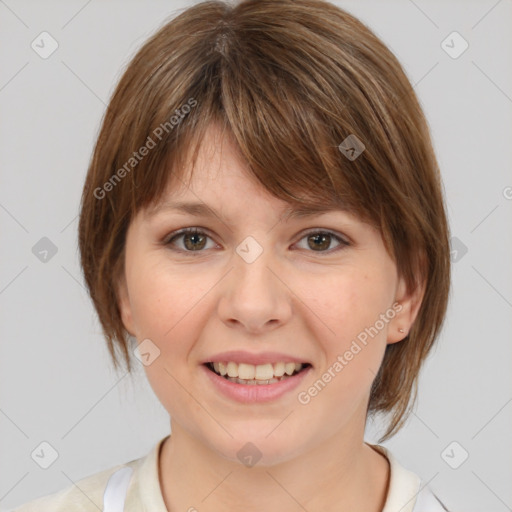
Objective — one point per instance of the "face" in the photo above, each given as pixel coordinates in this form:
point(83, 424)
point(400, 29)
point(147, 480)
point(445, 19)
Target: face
point(255, 289)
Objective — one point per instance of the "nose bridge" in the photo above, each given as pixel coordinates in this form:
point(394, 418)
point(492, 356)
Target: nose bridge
point(252, 263)
point(255, 296)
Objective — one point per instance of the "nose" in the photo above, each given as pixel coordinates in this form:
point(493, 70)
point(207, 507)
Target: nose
point(255, 297)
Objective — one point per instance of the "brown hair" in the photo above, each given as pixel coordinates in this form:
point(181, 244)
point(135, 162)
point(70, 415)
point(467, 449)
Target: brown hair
point(289, 80)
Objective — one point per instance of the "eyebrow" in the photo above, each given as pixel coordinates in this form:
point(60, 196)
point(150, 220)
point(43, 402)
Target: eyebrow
point(199, 209)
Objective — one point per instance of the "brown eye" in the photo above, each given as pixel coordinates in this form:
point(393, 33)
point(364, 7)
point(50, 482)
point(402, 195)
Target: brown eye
point(320, 241)
point(194, 240)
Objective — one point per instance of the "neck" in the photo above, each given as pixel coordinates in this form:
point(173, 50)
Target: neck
point(338, 474)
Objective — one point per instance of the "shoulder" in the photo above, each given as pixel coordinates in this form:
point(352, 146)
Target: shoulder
point(86, 495)
point(406, 491)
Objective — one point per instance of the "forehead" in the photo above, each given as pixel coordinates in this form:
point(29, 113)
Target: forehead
point(214, 176)
point(218, 171)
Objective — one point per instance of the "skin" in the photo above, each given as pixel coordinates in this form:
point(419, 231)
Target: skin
point(294, 298)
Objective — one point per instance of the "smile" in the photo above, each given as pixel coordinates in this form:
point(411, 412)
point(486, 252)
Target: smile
point(249, 374)
point(263, 383)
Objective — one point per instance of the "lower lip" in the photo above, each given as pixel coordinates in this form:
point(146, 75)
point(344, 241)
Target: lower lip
point(255, 393)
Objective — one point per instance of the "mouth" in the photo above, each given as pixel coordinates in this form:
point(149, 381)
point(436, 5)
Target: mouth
point(256, 375)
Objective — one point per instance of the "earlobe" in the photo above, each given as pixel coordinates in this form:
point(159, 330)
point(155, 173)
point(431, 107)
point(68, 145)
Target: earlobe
point(410, 303)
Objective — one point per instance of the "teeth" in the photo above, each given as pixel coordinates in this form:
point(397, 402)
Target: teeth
point(253, 381)
point(222, 369)
point(245, 373)
point(232, 369)
point(289, 368)
point(264, 371)
point(279, 369)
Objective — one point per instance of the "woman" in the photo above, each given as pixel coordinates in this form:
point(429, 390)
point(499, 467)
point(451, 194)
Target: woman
point(263, 217)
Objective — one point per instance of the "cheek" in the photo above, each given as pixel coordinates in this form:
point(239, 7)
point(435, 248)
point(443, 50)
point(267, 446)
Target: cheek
point(164, 300)
point(167, 310)
point(357, 335)
point(352, 302)
point(351, 356)
point(170, 308)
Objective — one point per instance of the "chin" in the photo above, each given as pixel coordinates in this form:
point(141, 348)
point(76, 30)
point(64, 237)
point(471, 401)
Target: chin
point(253, 447)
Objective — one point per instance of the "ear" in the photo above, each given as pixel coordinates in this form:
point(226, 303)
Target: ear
point(406, 312)
point(125, 307)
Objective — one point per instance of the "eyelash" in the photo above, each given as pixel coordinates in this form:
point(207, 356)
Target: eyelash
point(197, 231)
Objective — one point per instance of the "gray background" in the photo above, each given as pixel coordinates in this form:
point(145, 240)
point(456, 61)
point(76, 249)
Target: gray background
point(57, 384)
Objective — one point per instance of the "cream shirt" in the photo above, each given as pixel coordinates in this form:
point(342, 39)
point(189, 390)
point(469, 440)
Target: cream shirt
point(135, 487)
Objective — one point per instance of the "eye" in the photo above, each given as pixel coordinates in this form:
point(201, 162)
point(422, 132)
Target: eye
point(195, 240)
point(318, 240)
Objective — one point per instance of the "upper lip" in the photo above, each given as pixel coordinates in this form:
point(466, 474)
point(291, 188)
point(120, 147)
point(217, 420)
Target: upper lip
point(241, 356)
